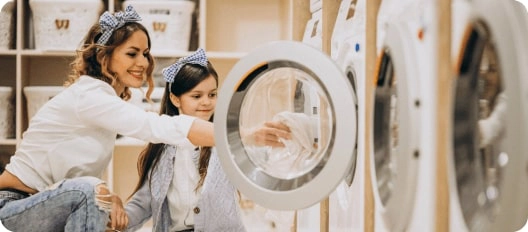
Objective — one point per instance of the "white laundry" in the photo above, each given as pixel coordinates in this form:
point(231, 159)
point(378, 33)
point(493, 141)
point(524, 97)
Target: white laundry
point(492, 127)
point(298, 152)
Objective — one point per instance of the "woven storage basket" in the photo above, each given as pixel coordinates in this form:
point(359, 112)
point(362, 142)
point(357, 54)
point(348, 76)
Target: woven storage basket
point(62, 24)
point(6, 25)
point(7, 113)
point(38, 95)
point(169, 23)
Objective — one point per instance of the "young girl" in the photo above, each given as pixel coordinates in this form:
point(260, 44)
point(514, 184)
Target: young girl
point(52, 181)
point(184, 187)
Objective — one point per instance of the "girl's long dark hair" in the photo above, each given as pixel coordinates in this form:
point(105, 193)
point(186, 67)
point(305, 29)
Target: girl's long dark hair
point(189, 76)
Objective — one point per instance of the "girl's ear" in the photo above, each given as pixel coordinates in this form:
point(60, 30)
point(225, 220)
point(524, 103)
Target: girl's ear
point(175, 100)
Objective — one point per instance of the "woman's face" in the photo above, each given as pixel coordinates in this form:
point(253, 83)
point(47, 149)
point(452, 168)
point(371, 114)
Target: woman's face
point(199, 101)
point(129, 62)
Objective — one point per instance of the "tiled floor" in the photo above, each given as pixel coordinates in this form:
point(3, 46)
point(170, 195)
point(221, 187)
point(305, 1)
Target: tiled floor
point(259, 219)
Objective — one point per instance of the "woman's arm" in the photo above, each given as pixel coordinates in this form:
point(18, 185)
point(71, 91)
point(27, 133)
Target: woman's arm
point(201, 133)
point(97, 107)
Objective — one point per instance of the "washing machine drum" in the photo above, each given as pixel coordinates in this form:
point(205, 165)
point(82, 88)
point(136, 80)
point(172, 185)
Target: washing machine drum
point(299, 86)
point(489, 130)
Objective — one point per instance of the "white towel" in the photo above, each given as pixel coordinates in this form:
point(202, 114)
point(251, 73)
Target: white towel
point(298, 151)
point(493, 127)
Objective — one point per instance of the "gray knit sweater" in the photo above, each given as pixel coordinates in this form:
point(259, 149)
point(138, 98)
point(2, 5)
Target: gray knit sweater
point(219, 209)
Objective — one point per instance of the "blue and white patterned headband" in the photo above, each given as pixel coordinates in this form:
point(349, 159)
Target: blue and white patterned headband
point(109, 23)
point(198, 57)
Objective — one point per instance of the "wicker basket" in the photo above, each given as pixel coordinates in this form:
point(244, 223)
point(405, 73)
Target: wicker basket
point(62, 24)
point(6, 25)
point(38, 95)
point(169, 23)
point(7, 113)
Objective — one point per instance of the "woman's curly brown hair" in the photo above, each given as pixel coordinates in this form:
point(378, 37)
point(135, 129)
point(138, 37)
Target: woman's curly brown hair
point(93, 59)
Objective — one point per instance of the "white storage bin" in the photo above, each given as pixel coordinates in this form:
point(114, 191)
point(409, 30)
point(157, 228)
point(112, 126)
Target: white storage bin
point(62, 24)
point(38, 95)
point(7, 113)
point(138, 98)
point(169, 23)
point(6, 24)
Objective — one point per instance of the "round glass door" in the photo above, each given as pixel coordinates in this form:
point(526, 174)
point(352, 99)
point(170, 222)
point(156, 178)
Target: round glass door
point(302, 88)
point(478, 129)
point(287, 93)
point(396, 125)
point(489, 131)
point(385, 128)
point(351, 74)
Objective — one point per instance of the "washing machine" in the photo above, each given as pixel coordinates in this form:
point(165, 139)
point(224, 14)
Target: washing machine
point(402, 167)
point(389, 11)
point(313, 33)
point(309, 219)
point(349, 14)
point(347, 202)
point(301, 86)
point(488, 165)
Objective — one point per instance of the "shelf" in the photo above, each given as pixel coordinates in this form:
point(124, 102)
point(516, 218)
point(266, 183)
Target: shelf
point(226, 55)
point(9, 142)
point(129, 142)
point(54, 53)
point(45, 53)
point(8, 52)
point(211, 55)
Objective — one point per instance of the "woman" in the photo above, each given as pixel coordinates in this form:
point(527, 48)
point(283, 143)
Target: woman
point(52, 182)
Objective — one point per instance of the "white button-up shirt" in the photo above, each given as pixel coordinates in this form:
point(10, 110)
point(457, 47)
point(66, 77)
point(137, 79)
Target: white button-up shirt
point(74, 133)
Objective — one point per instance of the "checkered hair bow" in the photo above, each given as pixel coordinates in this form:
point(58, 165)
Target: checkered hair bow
point(109, 22)
point(198, 57)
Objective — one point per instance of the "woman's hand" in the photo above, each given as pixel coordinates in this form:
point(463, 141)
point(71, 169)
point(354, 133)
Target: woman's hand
point(269, 134)
point(118, 216)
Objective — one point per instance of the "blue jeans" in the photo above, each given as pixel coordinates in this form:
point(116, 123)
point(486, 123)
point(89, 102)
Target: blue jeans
point(70, 205)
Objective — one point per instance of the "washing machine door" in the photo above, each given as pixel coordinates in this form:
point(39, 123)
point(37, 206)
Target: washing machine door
point(396, 124)
point(302, 87)
point(489, 125)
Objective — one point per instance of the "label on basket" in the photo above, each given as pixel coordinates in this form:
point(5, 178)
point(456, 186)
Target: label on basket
point(159, 11)
point(169, 23)
point(159, 26)
point(62, 23)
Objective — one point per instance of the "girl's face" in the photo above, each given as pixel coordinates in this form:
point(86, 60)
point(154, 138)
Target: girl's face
point(129, 62)
point(199, 101)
